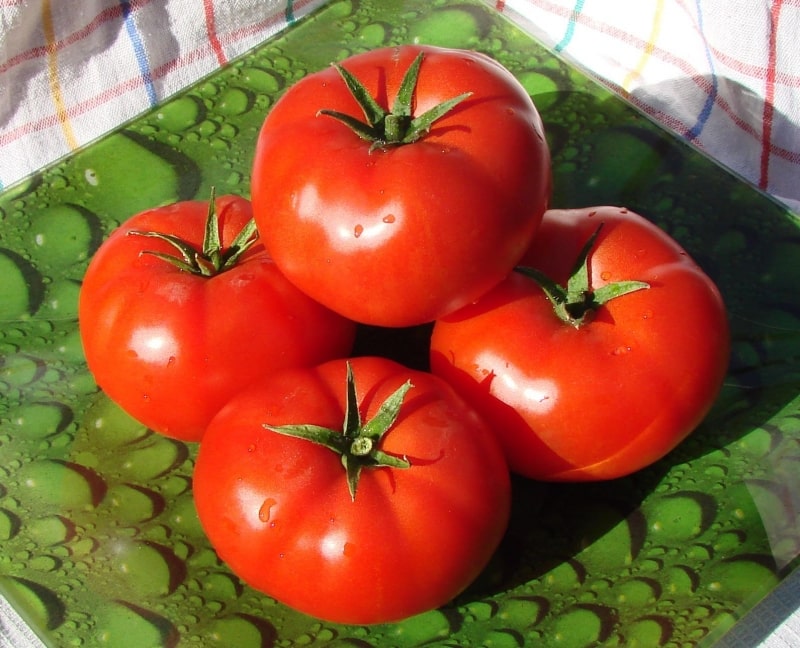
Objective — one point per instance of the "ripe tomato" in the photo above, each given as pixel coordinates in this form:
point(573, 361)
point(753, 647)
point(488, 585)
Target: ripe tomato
point(606, 396)
point(405, 218)
point(171, 345)
point(413, 518)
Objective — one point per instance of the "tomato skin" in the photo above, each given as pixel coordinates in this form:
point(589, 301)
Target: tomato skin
point(391, 237)
point(278, 511)
point(607, 398)
point(171, 347)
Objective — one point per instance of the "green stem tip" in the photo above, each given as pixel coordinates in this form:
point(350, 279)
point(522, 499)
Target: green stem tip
point(357, 443)
point(212, 258)
point(577, 302)
point(387, 128)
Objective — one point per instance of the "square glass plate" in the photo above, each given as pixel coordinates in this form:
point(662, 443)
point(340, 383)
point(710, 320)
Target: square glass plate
point(100, 540)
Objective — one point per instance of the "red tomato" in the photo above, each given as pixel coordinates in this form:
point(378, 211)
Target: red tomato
point(280, 512)
point(606, 397)
point(171, 346)
point(392, 233)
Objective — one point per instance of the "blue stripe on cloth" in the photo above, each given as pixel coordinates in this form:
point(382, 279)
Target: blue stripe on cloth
point(573, 18)
point(138, 50)
point(289, 13)
point(708, 105)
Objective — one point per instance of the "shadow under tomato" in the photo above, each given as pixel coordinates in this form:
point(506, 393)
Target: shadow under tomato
point(606, 151)
point(749, 245)
point(408, 346)
point(552, 523)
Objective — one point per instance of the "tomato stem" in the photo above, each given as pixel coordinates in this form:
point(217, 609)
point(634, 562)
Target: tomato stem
point(576, 302)
point(396, 127)
point(357, 443)
point(212, 258)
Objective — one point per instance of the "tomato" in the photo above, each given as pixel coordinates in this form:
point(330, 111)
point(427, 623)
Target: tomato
point(409, 522)
point(611, 387)
point(416, 212)
point(172, 344)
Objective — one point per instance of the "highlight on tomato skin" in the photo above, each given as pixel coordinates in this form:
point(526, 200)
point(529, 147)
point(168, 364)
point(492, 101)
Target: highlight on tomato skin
point(602, 398)
point(182, 306)
point(414, 228)
point(417, 529)
point(402, 187)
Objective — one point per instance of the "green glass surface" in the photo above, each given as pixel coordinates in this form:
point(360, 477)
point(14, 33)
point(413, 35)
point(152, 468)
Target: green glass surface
point(100, 541)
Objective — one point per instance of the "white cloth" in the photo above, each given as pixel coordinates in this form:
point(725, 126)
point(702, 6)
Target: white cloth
point(723, 74)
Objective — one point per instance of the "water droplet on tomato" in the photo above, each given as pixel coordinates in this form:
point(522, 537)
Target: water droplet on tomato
point(389, 218)
point(605, 275)
point(647, 314)
point(358, 230)
point(621, 350)
point(266, 509)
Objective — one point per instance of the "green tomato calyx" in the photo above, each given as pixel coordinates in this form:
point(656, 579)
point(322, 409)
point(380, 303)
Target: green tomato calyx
point(357, 443)
point(212, 258)
point(576, 302)
point(396, 127)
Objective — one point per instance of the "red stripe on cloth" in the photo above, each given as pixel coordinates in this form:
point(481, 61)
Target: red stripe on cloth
point(211, 30)
point(755, 71)
point(746, 68)
point(692, 73)
point(638, 43)
point(135, 83)
point(769, 94)
point(48, 121)
point(682, 128)
point(105, 16)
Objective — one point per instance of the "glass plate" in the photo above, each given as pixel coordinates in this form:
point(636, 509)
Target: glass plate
point(101, 543)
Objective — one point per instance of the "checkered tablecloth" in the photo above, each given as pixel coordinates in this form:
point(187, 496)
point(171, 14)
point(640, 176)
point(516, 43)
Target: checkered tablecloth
point(723, 74)
point(72, 70)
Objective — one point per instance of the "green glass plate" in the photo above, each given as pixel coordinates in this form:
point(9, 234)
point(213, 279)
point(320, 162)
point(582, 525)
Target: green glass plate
point(100, 541)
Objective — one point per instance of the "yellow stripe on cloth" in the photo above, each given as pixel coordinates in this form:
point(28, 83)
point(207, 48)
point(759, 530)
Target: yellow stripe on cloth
point(52, 75)
point(636, 72)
